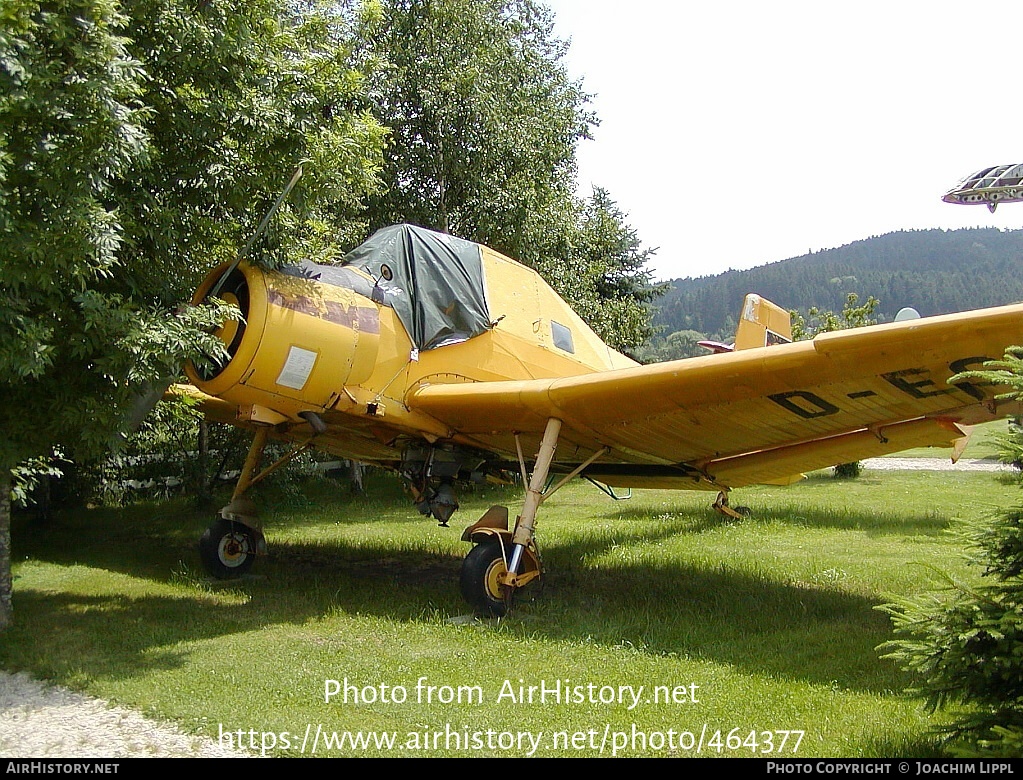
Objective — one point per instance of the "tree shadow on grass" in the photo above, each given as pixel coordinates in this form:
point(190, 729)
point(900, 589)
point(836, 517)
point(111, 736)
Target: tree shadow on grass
point(722, 613)
point(72, 637)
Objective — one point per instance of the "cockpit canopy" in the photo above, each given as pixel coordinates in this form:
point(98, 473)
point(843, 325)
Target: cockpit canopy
point(433, 281)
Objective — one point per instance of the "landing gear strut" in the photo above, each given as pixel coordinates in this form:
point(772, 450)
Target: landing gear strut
point(721, 506)
point(229, 547)
point(503, 561)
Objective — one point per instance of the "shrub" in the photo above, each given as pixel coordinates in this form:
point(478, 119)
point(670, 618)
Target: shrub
point(847, 470)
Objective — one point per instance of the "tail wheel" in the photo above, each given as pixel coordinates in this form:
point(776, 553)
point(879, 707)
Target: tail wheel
point(479, 580)
point(228, 549)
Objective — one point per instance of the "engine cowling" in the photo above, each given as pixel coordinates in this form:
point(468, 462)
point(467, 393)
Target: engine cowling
point(298, 343)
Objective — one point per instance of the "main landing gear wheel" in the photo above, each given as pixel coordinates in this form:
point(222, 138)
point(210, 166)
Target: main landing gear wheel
point(481, 569)
point(228, 549)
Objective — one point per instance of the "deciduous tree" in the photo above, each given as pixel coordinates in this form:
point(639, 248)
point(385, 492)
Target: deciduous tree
point(485, 123)
point(853, 315)
point(138, 144)
point(484, 118)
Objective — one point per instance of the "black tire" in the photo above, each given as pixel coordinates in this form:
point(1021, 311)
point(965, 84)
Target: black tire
point(227, 549)
point(478, 580)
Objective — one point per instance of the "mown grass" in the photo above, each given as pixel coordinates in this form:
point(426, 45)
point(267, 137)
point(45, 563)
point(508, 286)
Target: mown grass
point(773, 618)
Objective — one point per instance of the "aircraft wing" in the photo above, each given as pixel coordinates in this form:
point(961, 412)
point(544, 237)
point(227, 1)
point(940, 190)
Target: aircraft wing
point(753, 416)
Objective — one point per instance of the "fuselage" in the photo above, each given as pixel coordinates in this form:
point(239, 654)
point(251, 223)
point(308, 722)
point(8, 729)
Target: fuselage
point(325, 342)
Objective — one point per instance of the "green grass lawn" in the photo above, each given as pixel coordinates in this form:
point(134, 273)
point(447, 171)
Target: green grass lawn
point(741, 634)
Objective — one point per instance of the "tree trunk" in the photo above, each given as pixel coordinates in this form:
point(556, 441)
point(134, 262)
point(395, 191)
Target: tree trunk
point(203, 484)
point(42, 497)
point(6, 581)
point(355, 477)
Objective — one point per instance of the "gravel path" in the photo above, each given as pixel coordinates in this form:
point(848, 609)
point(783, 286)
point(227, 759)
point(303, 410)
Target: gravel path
point(39, 721)
point(934, 464)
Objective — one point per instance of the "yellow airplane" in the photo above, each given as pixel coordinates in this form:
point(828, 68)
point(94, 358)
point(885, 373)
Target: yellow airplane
point(446, 362)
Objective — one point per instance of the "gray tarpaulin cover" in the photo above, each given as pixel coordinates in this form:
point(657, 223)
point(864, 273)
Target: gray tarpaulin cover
point(436, 285)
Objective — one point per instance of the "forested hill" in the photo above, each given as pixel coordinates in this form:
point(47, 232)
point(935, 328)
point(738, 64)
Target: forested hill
point(934, 271)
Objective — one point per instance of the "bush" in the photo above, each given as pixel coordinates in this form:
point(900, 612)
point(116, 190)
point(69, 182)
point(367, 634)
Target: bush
point(847, 470)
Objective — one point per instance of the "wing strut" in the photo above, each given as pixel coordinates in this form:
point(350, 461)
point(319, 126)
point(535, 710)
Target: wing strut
point(230, 544)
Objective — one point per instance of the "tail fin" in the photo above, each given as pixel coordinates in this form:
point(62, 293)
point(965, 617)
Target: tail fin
point(762, 324)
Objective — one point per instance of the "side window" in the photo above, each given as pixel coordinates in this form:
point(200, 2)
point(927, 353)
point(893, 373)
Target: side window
point(562, 337)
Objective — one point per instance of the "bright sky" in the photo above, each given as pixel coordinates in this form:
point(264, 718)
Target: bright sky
point(736, 133)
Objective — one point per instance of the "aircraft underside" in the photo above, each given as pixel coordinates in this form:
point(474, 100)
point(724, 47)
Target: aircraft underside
point(503, 558)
